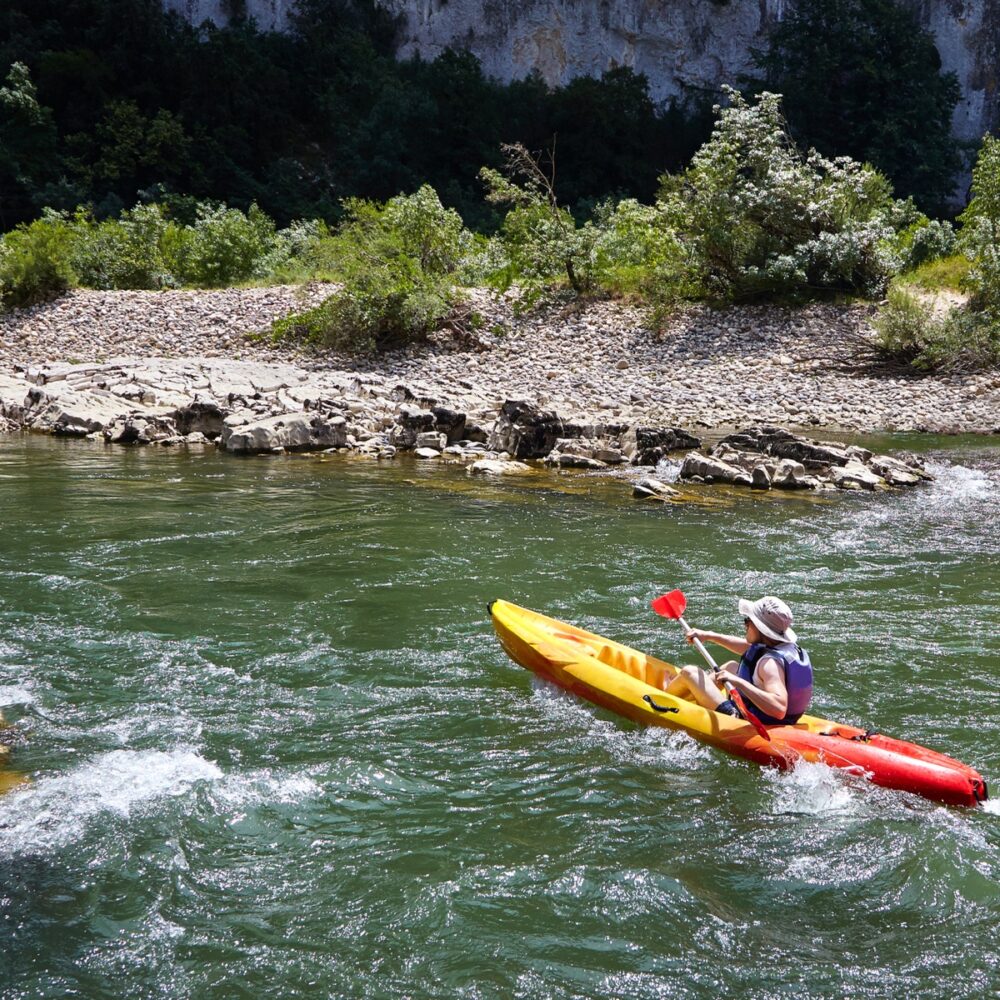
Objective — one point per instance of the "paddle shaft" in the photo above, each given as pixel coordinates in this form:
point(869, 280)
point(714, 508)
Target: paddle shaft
point(700, 646)
point(730, 690)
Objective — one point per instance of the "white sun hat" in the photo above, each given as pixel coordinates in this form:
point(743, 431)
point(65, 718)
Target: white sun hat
point(771, 616)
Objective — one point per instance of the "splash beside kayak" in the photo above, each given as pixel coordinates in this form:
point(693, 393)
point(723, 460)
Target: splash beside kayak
point(630, 683)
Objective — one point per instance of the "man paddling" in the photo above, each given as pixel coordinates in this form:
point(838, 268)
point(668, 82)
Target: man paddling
point(774, 674)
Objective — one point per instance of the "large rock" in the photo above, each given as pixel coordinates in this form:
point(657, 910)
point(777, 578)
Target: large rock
point(72, 413)
point(709, 469)
point(200, 415)
point(411, 422)
point(290, 431)
point(449, 422)
point(569, 460)
point(789, 475)
point(647, 445)
point(896, 472)
point(13, 398)
point(855, 476)
point(784, 444)
point(140, 428)
point(649, 488)
point(523, 430)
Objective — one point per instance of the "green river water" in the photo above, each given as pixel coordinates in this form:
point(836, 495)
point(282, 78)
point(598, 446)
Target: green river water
point(275, 750)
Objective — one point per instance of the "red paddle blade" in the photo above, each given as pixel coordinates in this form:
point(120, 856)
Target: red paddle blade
point(670, 605)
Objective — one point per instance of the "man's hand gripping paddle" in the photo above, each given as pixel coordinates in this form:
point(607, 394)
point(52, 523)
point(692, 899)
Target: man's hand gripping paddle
point(672, 605)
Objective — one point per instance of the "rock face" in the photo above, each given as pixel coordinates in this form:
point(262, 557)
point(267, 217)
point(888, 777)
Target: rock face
point(682, 47)
point(771, 458)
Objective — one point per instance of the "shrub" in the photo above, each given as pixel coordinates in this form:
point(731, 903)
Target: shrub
point(637, 252)
point(295, 253)
point(909, 330)
point(126, 252)
point(35, 261)
point(397, 266)
point(543, 247)
point(980, 236)
point(760, 219)
point(222, 247)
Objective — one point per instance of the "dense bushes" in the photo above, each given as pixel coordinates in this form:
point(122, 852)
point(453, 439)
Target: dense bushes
point(144, 248)
point(980, 238)
point(760, 219)
point(752, 218)
point(35, 262)
point(396, 264)
point(916, 329)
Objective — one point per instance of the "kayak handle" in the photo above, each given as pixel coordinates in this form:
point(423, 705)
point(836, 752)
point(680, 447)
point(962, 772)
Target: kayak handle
point(657, 708)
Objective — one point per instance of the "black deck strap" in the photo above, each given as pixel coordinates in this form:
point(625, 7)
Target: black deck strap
point(865, 737)
point(657, 708)
point(489, 608)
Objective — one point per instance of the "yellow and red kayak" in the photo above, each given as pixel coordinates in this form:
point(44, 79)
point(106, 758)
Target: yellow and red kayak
point(631, 684)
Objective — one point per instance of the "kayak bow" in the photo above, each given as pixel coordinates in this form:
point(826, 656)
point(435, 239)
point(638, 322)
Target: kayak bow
point(631, 684)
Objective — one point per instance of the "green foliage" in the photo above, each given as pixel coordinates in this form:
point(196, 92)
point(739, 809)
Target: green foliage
point(941, 274)
point(127, 252)
point(35, 261)
point(224, 246)
point(397, 265)
point(980, 236)
point(636, 252)
point(144, 248)
point(861, 78)
point(543, 246)
point(909, 330)
point(759, 219)
point(964, 338)
point(27, 144)
point(905, 327)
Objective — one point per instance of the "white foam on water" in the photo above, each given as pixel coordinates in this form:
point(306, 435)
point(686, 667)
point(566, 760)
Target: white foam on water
point(264, 786)
point(958, 482)
point(57, 810)
point(654, 745)
point(15, 695)
point(814, 789)
point(991, 806)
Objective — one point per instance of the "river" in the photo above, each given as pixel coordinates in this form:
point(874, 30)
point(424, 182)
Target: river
point(273, 747)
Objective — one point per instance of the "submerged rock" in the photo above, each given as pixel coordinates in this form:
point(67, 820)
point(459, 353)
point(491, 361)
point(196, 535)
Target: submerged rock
point(649, 488)
point(498, 467)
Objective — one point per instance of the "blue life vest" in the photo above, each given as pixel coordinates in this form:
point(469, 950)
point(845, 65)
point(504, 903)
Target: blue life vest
point(798, 679)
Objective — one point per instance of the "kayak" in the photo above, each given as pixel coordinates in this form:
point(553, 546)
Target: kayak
point(631, 683)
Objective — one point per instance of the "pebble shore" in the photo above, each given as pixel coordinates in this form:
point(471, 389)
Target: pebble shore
point(798, 368)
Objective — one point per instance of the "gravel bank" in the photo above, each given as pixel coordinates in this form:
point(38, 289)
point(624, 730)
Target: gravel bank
point(708, 369)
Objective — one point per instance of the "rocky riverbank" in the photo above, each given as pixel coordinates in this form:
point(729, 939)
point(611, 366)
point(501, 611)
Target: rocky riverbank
point(586, 387)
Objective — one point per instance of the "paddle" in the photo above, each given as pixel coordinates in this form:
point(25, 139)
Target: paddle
point(672, 605)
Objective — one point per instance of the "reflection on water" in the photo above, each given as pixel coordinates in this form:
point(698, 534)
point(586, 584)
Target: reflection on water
point(274, 747)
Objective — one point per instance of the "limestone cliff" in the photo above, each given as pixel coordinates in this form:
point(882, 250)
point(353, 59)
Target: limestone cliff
point(681, 45)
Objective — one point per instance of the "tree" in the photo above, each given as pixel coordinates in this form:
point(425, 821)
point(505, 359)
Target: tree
point(27, 144)
point(861, 78)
